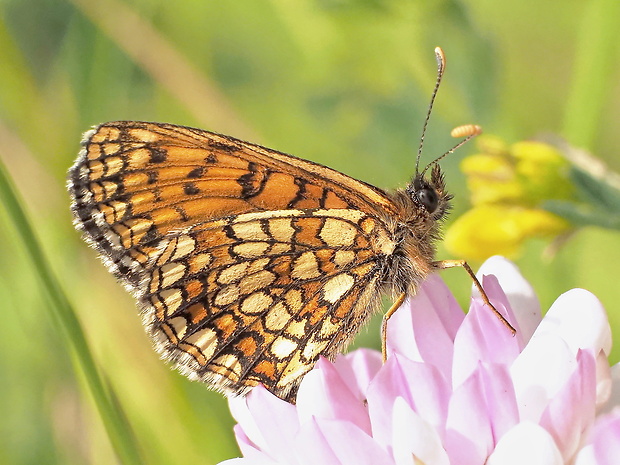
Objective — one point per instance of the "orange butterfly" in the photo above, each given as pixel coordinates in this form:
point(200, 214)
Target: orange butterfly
point(248, 263)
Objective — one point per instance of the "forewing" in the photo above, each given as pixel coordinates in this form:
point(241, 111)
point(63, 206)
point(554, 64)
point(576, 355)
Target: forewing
point(136, 182)
point(258, 297)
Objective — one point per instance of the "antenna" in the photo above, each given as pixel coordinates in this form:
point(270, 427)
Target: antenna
point(468, 131)
point(441, 67)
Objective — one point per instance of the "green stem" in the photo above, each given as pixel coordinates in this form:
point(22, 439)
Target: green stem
point(593, 70)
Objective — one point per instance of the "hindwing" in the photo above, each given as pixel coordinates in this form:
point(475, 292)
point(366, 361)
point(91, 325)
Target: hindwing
point(258, 297)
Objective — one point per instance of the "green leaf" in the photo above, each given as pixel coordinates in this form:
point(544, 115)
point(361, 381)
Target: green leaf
point(595, 191)
point(584, 214)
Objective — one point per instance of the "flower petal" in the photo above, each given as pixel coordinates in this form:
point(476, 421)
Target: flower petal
point(481, 410)
point(358, 368)
point(539, 372)
point(482, 338)
point(519, 292)
point(586, 456)
point(269, 424)
point(338, 442)
point(420, 385)
point(571, 411)
point(246, 446)
point(313, 446)
point(424, 327)
point(249, 461)
point(324, 394)
point(526, 443)
point(613, 399)
point(580, 319)
point(415, 438)
point(606, 439)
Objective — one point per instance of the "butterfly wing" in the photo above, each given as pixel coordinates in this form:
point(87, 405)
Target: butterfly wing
point(258, 297)
point(134, 182)
point(249, 263)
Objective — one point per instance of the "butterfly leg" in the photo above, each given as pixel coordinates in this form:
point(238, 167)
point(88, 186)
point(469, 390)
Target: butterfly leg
point(397, 303)
point(445, 264)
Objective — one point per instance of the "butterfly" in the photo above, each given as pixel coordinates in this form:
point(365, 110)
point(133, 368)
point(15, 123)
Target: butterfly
point(248, 264)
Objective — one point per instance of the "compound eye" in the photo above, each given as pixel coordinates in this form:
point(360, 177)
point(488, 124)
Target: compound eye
point(428, 198)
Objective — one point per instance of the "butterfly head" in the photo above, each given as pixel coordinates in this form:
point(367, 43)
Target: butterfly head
point(429, 193)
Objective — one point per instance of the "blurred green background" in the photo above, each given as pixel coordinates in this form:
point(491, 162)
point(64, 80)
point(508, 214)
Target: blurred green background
point(340, 82)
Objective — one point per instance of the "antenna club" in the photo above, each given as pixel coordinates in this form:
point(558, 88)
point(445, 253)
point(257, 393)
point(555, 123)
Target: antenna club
point(441, 65)
point(441, 59)
point(466, 130)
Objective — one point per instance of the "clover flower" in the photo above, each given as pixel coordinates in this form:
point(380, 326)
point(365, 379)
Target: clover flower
point(455, 389)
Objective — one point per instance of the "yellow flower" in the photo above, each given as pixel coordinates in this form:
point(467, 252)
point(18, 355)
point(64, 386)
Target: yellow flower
point(508, 186)
point(489, 230)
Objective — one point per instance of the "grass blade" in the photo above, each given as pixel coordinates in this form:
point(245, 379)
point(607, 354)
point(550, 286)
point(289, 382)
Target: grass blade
point(115, 422)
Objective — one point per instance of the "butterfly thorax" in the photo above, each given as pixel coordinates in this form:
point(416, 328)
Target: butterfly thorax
point(421, 207)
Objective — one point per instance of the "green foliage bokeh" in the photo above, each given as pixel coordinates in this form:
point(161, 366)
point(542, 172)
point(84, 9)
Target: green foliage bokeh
point(341, 82)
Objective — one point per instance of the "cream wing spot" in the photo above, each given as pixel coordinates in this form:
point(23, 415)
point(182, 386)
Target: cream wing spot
point(233, 273)
point(313, 348)
point(227, 295)
point(384, 244)
point(258, 265)
point(344, 213)
point(280, 248)
point(337, 286)
point(368, 224)
point(277, 318)
point(250, 231)
point(306, 266)
point(295, 368)
point(343, 257)
point(102, 134)
point(205, 341)
point(179, 325)
point(297, 328)
point(142, 135)
point(256, 281)
point(328, 328)
point(120, 208)
point(338, 233)
point(167, 301)
point(171, 273)
point(232, 365)
point(256, 303)
point(251, 249)
point(104, 190)
point(185, 245)
point(155, 282)
point(113, 165)
point(111, 148)
point(293, 299)
point(281, 229)
point(199, 262)
point(283, 347)
point(133, 230)
point(164, 251)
